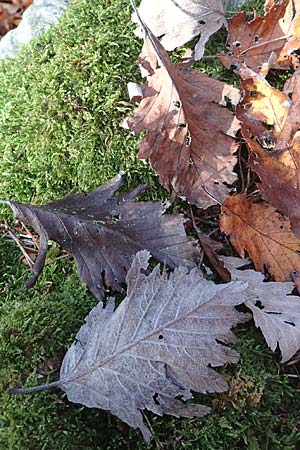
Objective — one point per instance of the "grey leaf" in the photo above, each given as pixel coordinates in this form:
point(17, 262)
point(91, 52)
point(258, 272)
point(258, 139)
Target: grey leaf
point(103, 232)
point(181, 20)
point(163, 340)
point(275, 312)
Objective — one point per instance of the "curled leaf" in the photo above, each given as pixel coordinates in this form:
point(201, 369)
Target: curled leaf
point(103, 232)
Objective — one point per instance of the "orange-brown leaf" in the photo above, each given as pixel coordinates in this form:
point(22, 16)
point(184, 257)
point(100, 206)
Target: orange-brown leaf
point(264, 42)
point(259, 230)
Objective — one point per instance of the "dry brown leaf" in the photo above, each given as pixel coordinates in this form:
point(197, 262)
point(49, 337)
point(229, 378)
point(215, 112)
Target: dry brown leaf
point(264, 42)
point(259, 230)
point(273, 118)
point(279, 176)
point(271, 121)
point(190, 140)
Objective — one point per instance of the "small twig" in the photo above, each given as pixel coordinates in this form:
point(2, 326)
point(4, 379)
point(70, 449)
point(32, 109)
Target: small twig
point(211, 195)
point(248, 184)
point(19, 243)
point(159, 444)
point(241, 171)
point(198, 235)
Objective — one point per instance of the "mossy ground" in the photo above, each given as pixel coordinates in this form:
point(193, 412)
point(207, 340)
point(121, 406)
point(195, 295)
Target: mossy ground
point(60, 114)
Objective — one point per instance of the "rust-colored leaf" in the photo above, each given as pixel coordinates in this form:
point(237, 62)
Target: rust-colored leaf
point(271, 121)
point(264, 42)
point(262, 232)
point(190, 140)
point(279, 179)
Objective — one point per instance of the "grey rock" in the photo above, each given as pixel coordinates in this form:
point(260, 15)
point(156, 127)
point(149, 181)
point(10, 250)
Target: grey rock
point(36, 20)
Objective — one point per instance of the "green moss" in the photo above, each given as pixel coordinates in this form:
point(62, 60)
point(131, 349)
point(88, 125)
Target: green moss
point(60, 116)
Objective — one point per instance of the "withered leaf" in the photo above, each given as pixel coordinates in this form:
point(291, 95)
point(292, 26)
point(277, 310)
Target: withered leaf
point(278, 169)
point(268, 113)
point(264, 42)
point(179, 22)
point(163, 340)
point(275, 311)
point(103, 232)
point(279, 180)
point(190, 140)
point(264, 233)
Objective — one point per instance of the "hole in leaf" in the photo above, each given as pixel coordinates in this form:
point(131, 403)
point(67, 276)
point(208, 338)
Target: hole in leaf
point(259, 304)
point(155, 396)
point(202, 22)
point(252, 94)
point(177, 104)
point(160, 337)
point(182, 125)
point(256, 38)
point(237, 44)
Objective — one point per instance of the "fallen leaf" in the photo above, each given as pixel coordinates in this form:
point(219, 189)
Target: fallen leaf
point(179, 22)
point(264, 42)
point(268, 113)
point(264, 233)
point(275, 311)
point(271, 121)
point(163, 340)
point(103, 232)
point(190, 132)
point(270, 124)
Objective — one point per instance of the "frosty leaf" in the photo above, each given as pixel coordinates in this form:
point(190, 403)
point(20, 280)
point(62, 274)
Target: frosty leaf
point(275, 312)
point(163, 340)
point(103, 232)
point(190, 138)
point(179, 22)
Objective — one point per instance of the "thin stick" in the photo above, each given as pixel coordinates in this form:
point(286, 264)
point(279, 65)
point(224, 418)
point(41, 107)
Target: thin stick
point(158, 443)
point(241, 171)
point(21, 247)
point(211, 195)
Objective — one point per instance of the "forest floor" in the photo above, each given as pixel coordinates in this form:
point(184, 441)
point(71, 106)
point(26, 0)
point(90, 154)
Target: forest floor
point(62, 102)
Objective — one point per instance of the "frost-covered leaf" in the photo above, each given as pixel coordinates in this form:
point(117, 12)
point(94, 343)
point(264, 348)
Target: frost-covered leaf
point(275, 312)
point(103, 232)
point(180, 21)
point(162, 341)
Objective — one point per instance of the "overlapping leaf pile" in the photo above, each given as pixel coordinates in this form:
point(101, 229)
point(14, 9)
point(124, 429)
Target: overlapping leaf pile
point(171, 330)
